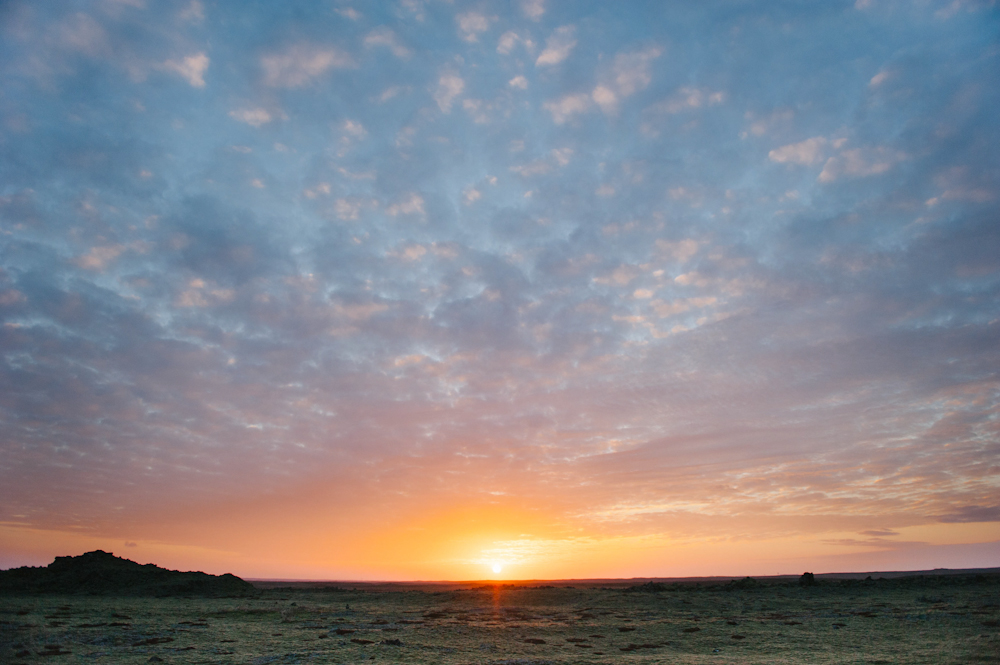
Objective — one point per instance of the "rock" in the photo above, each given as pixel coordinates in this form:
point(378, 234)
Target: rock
point(534, 640)
point(807, 579)
point(103, 574)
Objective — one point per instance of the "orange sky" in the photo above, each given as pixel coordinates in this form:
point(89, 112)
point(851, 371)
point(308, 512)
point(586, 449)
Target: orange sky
point(465, 541)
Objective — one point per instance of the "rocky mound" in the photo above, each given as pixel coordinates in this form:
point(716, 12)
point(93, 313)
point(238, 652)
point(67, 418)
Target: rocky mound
point(103, 574)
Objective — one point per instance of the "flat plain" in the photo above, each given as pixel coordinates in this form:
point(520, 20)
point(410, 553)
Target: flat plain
point(921, 620)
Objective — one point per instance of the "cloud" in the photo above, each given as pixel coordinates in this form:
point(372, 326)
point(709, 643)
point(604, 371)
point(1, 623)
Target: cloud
point(769, 123)
point(879, 533)
point(518, 82)
point(507, 42)
point(470, 24)
point(973, 513)
point(533, 9)
point(633, 71)
point(412, 205)
point(630, 73)
point(681, 250)
point(880, 78)
point(300, 64)
point(98, 258)
point(558, 46)
point(449, 87)
point(808, 152)
point(354, 129)
point(80, 32)
point(670, 308)
point(559, 156)
point(385, 37)
point(605, 98)
point(193, 13)
point(480, 110)
point(562, 155)
point(348, 209)
point(860, 162)
point(253, 117)
point(192, 68)
point(688, 99)
point(537, 167)
point(847, 162)
point(201, 294)
point(565, 108)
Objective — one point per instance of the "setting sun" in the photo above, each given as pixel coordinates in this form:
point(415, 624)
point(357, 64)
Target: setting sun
point(497, 568)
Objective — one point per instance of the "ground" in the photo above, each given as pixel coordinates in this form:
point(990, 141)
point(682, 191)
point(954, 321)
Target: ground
point(874, 622)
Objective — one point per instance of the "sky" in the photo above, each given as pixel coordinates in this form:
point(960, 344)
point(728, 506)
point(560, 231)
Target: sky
point(445, 290)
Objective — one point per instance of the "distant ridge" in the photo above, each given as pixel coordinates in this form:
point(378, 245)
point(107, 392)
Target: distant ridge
point(605, 583)
point(101, 573)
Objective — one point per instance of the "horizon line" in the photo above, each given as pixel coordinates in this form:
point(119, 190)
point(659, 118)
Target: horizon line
point(645, 578)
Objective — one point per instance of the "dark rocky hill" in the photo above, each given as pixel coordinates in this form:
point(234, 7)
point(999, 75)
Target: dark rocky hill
point(103, 574)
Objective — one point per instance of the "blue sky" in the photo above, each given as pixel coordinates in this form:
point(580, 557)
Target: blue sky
point(655, 277)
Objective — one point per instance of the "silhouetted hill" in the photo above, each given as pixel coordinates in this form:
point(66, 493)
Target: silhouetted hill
point(103, 574)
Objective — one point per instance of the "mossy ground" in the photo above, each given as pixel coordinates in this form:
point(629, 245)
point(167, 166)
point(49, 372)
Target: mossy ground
point(951, 623)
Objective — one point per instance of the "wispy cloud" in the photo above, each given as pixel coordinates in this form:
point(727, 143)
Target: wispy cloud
point(471, 24)
point(449, 86)
point(300, 64)
point(192, 68)
point(558, 46)
point(385, 37)
point(254, 117)
point(566, 107)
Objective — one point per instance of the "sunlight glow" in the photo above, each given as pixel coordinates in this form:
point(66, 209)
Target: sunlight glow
point(497, 568)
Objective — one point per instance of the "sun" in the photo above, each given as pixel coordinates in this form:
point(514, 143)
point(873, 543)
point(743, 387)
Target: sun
point(497, 568)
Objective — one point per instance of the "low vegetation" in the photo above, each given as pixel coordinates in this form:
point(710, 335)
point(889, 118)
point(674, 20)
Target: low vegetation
point(934, 620)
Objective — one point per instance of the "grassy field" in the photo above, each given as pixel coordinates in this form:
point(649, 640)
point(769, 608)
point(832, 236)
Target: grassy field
point(897, 621)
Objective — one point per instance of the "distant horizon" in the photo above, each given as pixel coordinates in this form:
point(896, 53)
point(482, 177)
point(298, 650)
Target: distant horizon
point(487, 581)
point(841, 574)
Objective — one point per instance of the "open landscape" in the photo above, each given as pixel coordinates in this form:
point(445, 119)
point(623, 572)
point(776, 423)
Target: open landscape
point(930, 619)
point(499, 332)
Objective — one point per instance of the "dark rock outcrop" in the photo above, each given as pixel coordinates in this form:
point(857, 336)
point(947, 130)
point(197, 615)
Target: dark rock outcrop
point(103, 574)
point(745, 583)
point(648, 587)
